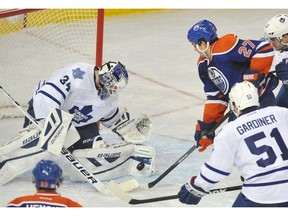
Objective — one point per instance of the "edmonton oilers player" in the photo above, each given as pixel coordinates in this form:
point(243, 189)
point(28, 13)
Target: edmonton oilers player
point(223, 62)
point(47, 177)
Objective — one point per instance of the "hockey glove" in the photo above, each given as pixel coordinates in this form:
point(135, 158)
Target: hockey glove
point(253, 76)
point(282, 71)
point(267, 85)
point(191, 194)
point(201, 137)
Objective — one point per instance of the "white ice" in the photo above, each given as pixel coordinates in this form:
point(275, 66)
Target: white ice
point(164, 84)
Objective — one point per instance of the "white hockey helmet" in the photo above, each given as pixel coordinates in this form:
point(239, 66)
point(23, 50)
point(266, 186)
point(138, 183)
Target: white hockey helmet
point(277, 26)
point(243, 95)
point(113, 77)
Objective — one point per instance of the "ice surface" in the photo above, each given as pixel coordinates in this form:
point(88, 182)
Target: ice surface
point(163, 84)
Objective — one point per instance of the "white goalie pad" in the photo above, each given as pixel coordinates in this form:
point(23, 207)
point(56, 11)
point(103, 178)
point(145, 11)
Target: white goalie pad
point(19, 161)
point(22, 153)
point(133, 130)
point(116, 161)
point(55, 130)
point(143, 162)
point(24, 138)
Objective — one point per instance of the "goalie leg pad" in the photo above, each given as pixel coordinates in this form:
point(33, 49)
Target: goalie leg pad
point(18, 162)
point(143, 161)
point(55, 129)
point(27, 137)
point(104, 163)
point(115, 161)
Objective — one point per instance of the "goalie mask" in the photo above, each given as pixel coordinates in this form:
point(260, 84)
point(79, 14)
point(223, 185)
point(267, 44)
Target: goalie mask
point(113, 78)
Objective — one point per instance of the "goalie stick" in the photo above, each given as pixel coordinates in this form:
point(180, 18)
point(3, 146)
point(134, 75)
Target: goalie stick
point(183, 157)
point(89, 177)
point(116, 190)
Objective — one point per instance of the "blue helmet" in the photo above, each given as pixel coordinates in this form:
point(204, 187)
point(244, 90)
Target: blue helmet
point(47, 174)
point(204, 29)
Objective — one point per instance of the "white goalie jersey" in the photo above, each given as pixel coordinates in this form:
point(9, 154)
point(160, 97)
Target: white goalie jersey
point(85, 103)
point(255, 143)
point(72, 91)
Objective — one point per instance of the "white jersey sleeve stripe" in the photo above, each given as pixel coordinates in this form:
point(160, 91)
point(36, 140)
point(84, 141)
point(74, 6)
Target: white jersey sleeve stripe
point(266, 183)
point(208, 180)
point(110, 117)
point(216, 170)
point(56, 88)
point(49, 96)
point(268, 173)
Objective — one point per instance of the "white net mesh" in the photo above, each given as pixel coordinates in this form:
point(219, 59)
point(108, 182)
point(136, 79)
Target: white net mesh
point(34, 44)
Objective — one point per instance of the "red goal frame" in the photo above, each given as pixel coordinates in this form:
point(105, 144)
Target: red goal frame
point(99, 28)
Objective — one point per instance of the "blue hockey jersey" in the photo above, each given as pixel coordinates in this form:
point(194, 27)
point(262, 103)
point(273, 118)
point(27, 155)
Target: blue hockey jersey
point(230, 58)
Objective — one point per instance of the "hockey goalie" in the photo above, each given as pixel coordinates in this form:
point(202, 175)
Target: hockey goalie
point(128, 157)
point(84, 97)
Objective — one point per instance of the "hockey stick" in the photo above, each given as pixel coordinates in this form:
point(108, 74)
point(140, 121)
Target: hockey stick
point(153, 183)
point(66, 153)
point(116, 190)
point(135, 183)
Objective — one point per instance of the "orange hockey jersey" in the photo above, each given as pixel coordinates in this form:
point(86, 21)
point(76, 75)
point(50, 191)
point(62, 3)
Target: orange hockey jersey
point(231, 57)
point(46, 199)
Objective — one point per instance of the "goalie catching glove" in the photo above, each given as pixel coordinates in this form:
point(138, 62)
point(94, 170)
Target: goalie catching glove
point(133, 130)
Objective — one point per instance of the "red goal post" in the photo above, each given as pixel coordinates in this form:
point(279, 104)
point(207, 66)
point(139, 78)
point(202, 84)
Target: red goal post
point(35, 42)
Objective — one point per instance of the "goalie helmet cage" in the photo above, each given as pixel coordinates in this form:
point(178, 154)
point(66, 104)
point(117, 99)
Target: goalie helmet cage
point(35, 42)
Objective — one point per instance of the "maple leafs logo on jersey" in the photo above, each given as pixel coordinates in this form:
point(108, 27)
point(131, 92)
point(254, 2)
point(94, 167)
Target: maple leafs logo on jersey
point(78, 73)
point(81, 115)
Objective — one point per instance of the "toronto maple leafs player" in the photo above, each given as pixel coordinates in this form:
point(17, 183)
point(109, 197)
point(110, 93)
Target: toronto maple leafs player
point(90, 94)
point(255, 143)
point(222, 62)
point(276, 30)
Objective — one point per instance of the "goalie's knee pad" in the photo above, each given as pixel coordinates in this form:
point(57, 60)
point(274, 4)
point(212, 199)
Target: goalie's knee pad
point(115, 161)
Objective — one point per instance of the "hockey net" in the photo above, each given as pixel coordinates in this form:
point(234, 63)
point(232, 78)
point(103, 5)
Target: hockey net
point(36, 42)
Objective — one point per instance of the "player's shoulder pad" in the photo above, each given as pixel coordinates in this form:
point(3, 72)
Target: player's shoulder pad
point(224, 44)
